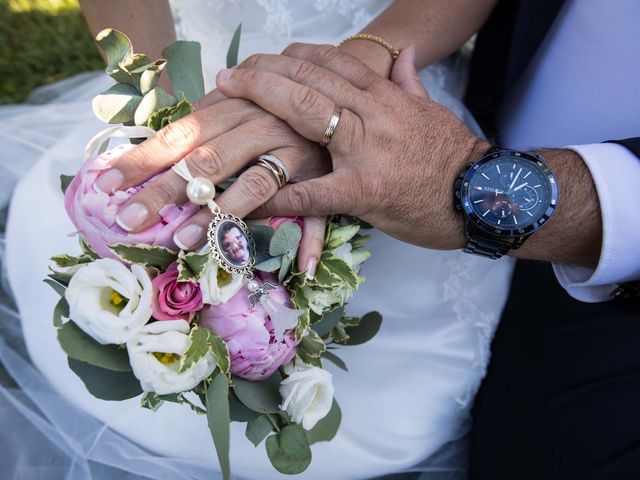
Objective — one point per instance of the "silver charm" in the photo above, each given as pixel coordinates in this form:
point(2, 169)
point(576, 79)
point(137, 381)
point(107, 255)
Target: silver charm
point(231, 244)
point(282, 317)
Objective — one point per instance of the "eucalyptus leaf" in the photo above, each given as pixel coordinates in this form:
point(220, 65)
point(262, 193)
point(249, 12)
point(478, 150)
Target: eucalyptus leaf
point(263, 396)
point(154, 100)
point(184, 66)
point(286, 240)
point(165, 116)
point(341, 235)
point(270, 265)
point(326, 429)
point(287, 260)
point(80, 346)
point(150, 76)
point(234, 46)
point(262, 236)
point(329, 320)
point(60, 311)
point(117, 104)
point(106, 384)
point(218, 419)
point(289, 450)
point(239, 411)
point(336, 360)
point(146, 255)
point(65, 181)
point(366, 330)
point(116, 46)
point(60, 277)
point(258, 428)
point(57, 286)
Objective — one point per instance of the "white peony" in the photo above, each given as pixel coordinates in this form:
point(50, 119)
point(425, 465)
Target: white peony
point(155, 355)
point(307, 393)
point(108, 301)
point(218, 286)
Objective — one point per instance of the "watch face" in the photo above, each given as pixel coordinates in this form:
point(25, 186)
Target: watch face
point(509, 193)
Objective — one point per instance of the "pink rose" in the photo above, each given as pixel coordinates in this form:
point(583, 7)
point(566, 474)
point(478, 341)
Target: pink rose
point(174, 300)
point(248, 333)
point(93, 212)
point(275, 222)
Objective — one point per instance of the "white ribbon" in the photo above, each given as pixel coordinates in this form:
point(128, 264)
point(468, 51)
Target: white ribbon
point(99, 143)
point(182, 171)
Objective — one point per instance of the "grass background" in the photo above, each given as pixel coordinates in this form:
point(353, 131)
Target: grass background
point(42, 41)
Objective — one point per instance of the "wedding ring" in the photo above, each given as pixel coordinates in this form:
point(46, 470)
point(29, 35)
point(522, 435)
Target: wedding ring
point(331, 127)
point(276, 167)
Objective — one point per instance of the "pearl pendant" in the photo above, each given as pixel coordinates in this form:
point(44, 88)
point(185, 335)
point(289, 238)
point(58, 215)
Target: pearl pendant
point(200, 190)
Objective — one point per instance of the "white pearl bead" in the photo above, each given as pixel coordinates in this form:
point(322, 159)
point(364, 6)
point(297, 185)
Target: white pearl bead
point(253, 286)
point(200, 190)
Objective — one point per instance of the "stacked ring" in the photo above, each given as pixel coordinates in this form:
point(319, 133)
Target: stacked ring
point(276, 167)
point(331, 127)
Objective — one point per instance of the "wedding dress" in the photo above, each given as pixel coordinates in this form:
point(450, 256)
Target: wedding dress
point(407, 393)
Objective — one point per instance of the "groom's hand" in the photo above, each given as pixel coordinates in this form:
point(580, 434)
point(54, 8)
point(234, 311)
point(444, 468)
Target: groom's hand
point(395, 152)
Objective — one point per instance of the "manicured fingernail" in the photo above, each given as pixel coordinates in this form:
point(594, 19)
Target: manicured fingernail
point(312, 263)
point(188, 237)
point(109, 181)
point(132, 216)
point(225, 74)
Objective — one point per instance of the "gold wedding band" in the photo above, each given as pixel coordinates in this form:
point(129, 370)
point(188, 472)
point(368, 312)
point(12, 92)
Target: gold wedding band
point(276, 167)
point(331, 127)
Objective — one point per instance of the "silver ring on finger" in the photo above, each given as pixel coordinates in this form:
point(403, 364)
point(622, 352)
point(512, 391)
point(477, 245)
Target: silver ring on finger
point(332, 124)
point(276, 167)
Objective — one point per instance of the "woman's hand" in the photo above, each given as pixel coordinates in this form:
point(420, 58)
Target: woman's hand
point(217, 141)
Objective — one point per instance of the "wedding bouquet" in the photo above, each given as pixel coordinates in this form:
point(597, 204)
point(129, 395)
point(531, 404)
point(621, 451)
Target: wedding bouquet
point(138, 316)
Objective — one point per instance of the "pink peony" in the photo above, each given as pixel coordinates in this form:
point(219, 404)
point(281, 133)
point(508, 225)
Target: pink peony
point(174, 300)
point(275, 222)
point(248, 333)
point(94, 212)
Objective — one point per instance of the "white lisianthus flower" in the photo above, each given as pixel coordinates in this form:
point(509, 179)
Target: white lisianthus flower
point(320, 300)
point(218, 286)
point(155, 355)
point(352, 258)
point(307, 393)
point(108, 301)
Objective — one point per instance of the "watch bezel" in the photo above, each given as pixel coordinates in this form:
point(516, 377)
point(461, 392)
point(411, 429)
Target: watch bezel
point(492, 229)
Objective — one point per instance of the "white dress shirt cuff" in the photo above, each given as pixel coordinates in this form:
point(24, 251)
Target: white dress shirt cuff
point(616, 174)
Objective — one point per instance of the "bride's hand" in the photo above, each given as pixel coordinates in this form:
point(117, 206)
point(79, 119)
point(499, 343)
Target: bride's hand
point(217, 141)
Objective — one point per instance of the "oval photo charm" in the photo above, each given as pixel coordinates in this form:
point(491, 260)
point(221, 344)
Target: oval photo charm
point(231, 244)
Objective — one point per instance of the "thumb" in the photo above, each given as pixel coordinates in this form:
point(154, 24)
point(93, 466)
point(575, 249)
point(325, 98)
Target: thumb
point(404, 73)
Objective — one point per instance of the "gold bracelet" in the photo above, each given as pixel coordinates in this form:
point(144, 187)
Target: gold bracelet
point(372, 38)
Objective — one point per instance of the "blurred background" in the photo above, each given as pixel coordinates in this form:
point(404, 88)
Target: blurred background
point(42, 41)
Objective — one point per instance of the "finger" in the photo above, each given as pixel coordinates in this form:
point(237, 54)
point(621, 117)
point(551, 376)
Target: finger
point(304, 72)
point(404, 73)
point(173, 142)
point(336, 61)
point(216, 160)
point(305, 109)
point(211, 98)
point(311, 244)
point(331, 194)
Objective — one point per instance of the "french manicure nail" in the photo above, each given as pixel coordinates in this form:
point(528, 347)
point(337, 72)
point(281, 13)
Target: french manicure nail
point(312, 263)
point(109, 181)
point(188, 237)
point(132, 216)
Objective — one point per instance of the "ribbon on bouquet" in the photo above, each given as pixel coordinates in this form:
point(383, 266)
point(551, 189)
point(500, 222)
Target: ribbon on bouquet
point(100, 142)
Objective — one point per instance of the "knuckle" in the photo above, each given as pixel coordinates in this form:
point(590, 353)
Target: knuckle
point(292, 49)
point(258, 184)
point(304, 100)
point(206, 161)
point(323, 54)
point(177, 135)
point(298, 198)
point(251, 61)
point(304, 72)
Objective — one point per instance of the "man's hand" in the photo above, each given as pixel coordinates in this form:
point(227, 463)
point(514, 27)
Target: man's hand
point(395, 154)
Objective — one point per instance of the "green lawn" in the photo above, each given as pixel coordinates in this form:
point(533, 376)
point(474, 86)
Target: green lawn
point(42, 41)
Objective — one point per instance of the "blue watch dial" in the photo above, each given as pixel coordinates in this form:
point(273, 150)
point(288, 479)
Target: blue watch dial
point(509, 193)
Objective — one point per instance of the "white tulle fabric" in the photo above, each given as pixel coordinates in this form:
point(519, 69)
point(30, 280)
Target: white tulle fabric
point(406, 398)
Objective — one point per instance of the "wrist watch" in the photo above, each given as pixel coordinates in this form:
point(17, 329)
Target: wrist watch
point(505, 196)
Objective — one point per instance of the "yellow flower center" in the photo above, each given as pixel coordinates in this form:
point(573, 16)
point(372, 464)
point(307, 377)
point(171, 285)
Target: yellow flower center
point(166, 358)
point(224, 278)
point(117, 301)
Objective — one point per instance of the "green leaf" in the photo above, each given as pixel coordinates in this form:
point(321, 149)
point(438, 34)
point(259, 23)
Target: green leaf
point(65, 261)
point(117, 104)
point(258, 428)
point(87, 250)
point(145, 255)
point(116, 46)
point(154, 100)
point(165, 116)
point(234, 46)
point(80, 346)
point(306, 358)
point(150, 76)
point(239, 411)
point(218, 419)
point(197, 350)
point(359, 241)
point(287, 260)
point(286, 240)
point(151, 401)
point(62, 278)
point(289, 450)
point(263, 396)
point(221, 352)
point(324, 277)
point(329, 320)
point(57, 286)
point(262, 236)
point(366, 330)
point(191, 265)
point(65, 181)
point(60, 311)
point(312, 344)
point(336, 360)
point(185, 69)
point(326, 429)
point(106, 384)
point(270, 265)
point(341, 235)
point(178, 398)
point(340, 269)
